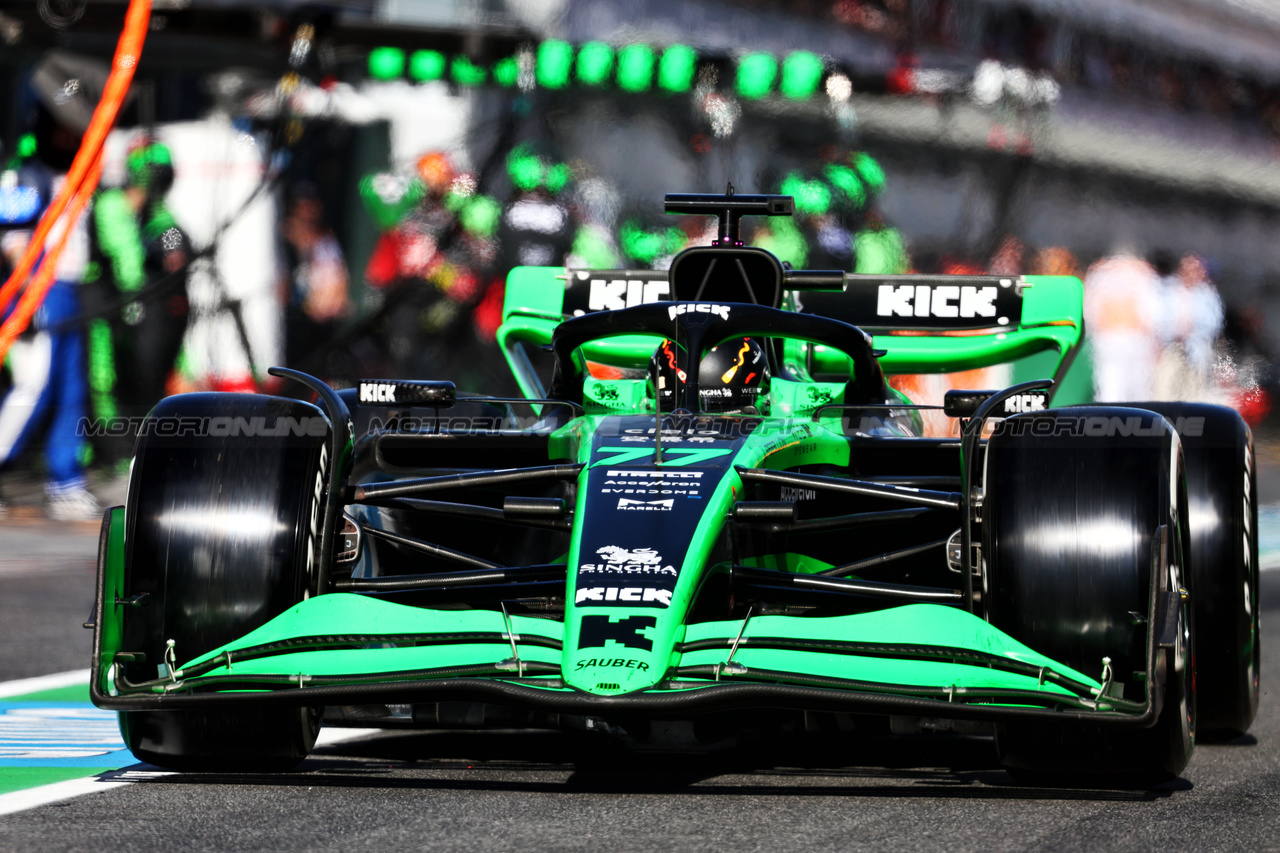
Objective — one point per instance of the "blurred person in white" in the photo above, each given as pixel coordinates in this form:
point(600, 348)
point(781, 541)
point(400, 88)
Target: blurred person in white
point(50, 388)
point(1191, 319)
point(1121, 313)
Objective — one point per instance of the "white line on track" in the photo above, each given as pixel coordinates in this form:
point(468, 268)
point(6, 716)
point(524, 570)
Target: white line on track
point(19, 801)
point(54, 792)
point(58, 680)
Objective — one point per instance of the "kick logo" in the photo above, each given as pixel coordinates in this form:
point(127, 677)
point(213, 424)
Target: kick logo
point(646, 506)
point(946, 300)
point(624, 595)
point(1026, 403)
point(622, 293)
point(377, 392)
point(721, 311)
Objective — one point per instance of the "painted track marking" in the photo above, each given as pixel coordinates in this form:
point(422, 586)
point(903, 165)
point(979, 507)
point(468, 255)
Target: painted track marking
point(39, 735)
point(40, 683)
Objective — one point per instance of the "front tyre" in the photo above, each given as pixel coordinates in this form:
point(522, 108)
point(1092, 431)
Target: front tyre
point(225, 494)
point(1074, 501)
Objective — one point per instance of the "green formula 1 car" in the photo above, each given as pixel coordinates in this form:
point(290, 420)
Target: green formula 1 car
point(709, 504)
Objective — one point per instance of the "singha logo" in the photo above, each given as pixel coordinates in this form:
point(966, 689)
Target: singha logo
point(643, 556)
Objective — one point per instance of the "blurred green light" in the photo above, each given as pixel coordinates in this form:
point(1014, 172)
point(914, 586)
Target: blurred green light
point(595, 63)
point(26, 145)
point(812, 197)
point(801, 73)
point(426, 65)
point(467, 73)
point(506, 71)
point(635, 67)
point(555, 60)
point(480, 216)
point(846, 181)
point(386, 63)
point(640, 245)
point(675, 69)
point(389, 198)
point(647, 246)
point(557, 176)
point(524, 168)
point(870, 172)
point(756, 73)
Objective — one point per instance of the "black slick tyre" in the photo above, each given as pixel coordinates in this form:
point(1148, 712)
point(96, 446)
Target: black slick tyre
point(1074, 502)
point(219, 535)
point(1222, 490)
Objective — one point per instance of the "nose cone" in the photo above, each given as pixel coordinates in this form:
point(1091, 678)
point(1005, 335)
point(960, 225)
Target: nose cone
point(644, 535)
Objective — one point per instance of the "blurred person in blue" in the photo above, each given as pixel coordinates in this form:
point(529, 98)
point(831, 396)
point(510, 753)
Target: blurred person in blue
point(1191, 319)
point(47, 362)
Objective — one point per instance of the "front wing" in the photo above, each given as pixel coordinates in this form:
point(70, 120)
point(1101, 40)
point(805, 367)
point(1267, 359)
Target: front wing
point(343, 648)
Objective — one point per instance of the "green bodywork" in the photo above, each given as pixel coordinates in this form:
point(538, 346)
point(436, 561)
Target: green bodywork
point(928, 651)
point(343, 638)
point(1052, 323)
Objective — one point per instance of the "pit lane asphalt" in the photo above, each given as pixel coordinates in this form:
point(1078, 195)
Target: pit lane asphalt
point(452, 791)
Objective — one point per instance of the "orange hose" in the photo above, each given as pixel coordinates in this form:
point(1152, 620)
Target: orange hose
point(81, 180)
point(34, 295)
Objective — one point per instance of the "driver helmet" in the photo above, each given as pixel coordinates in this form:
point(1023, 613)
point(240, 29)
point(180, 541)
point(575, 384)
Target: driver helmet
point(731, 378)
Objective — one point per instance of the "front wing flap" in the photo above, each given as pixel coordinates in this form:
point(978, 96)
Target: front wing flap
point(341, 648)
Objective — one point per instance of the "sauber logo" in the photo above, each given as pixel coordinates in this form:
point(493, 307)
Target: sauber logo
point(646, 506)
point(1025, 403)
point(629, 663)
point(945, 300)
point(721, 311)
point(621, 293)
point(377, 392)
point(624, 595)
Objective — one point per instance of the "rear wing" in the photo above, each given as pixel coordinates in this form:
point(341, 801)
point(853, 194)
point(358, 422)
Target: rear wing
point(922, 323)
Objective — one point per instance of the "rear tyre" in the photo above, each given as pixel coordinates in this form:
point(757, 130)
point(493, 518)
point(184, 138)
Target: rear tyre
point(1069, 537)
point(1223, 526)
point(219, 533)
